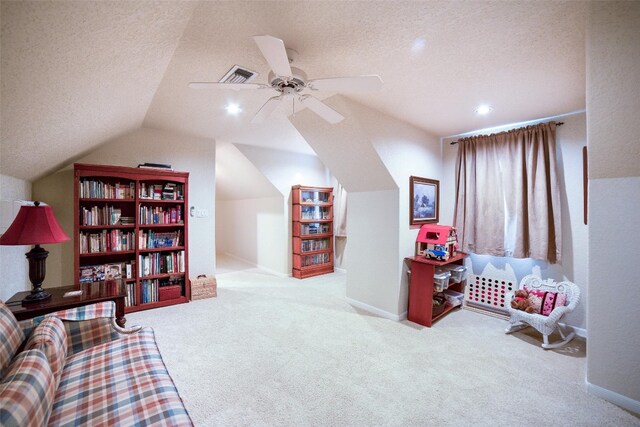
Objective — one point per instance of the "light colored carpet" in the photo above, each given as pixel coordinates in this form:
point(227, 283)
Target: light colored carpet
point(272, 351)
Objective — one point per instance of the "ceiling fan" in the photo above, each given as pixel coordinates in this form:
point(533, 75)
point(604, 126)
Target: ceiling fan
point(290, 82)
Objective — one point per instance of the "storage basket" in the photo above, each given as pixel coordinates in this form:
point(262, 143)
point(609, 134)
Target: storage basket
point(438, 304)
point(203, 287)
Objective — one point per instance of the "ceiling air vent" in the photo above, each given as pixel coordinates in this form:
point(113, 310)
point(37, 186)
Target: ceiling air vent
point(238, 74)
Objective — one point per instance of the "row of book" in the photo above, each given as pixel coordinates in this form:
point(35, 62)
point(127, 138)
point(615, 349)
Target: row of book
point(314, 245)
point(150, 289)
point(314, 212)
point(161, 263)
point(315, 228)
point(130, 298)
point(100, 272)
point(160, 215)
point(152, 240)
point(108, 215)
point(100, 190)
point(166, 191)
point(106, 241)
point(315, 259)
point(315, 196)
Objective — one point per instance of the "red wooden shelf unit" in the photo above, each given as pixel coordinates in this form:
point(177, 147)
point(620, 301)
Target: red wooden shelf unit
point(131, 223)
point(421, 288)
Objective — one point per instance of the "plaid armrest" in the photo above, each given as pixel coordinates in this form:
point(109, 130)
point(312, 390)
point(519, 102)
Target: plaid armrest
point(86, 326)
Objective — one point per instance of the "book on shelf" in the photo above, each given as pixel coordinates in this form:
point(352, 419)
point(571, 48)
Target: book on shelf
point(96, 189)
point(109, 271)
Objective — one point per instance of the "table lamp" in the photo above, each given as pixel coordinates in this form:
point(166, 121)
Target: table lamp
point(35, 225)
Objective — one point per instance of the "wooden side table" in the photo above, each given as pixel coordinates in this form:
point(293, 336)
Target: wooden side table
point(91, 293)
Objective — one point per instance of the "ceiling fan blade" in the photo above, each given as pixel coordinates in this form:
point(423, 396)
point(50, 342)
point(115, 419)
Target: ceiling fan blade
point(347, 84)
point(322, 109)
point(275, 53)
point(266, 110)
point(232, 86)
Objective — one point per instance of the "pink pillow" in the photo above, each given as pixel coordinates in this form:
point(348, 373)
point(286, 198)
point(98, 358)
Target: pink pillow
point(544, 302)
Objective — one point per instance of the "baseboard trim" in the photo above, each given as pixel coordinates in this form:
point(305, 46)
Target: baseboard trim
point(377, 311)
point(613, 397)
point(582, 333)
point(261, 267)
point(340, 270)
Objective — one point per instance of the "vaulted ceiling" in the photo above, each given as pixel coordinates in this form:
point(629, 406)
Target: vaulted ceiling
point(77, 74)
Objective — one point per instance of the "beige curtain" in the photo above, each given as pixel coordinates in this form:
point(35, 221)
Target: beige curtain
point(507, 194)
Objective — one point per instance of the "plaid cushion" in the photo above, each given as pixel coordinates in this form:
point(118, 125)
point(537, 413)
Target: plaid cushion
point(86, 326)
point(11, 337)
point(26, 394)
point(92, 311)
point(124, 382)
point(51, 338)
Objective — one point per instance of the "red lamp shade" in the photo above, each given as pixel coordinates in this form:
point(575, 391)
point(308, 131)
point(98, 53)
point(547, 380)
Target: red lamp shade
point(34, 225)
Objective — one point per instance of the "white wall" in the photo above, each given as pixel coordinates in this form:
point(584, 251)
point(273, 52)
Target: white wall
point(184, 153)
point(613, 129)
point(372, 250)
point(14, 271)
point(570, 138)
point(254, 230)
point(405, 151)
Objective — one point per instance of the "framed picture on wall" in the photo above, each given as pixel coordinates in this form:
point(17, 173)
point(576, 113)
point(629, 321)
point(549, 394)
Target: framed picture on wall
point(424, 200)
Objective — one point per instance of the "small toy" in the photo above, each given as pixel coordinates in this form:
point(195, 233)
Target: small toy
point(521, 301)
point(437, 241)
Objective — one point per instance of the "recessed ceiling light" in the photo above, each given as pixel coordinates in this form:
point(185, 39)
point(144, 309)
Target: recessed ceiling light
point(233, 109)
point(484, 109)
point(418, 45)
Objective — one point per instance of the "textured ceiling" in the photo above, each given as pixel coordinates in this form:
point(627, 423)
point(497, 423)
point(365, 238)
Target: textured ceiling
point(75, 74)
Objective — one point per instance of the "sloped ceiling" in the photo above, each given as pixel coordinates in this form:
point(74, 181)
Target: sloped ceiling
point(75, 74)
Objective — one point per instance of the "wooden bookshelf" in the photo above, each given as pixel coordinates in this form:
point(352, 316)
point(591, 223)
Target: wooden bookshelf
point(312, 230)
point(133, 222)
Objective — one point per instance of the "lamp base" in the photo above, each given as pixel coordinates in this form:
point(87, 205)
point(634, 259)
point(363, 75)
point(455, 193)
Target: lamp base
point(37, 257)
point(36, 296)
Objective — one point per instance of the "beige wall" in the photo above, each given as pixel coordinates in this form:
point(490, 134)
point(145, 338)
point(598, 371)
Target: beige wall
point(184, 153)
point(13, 264)
point(613, 129)
point(570, 138)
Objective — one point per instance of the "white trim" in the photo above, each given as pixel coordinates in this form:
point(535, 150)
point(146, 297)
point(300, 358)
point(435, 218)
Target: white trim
point(261, 267)
point(581, 332)
point(377, 311)
point(613, 397)
point(340, 270)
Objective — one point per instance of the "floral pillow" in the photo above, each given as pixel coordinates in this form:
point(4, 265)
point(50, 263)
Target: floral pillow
point(543, 302)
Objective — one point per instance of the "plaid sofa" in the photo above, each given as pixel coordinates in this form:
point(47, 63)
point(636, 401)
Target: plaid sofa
point(77, 368)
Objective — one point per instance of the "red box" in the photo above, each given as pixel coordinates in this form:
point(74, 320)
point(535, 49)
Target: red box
point(169, 292)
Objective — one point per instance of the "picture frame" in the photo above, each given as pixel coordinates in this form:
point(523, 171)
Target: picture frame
point(424, 200)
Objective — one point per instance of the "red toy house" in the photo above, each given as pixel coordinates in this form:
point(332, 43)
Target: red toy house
point(437, 241)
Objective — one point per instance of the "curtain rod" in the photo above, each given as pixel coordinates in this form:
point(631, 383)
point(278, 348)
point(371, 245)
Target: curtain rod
point(455, 142)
